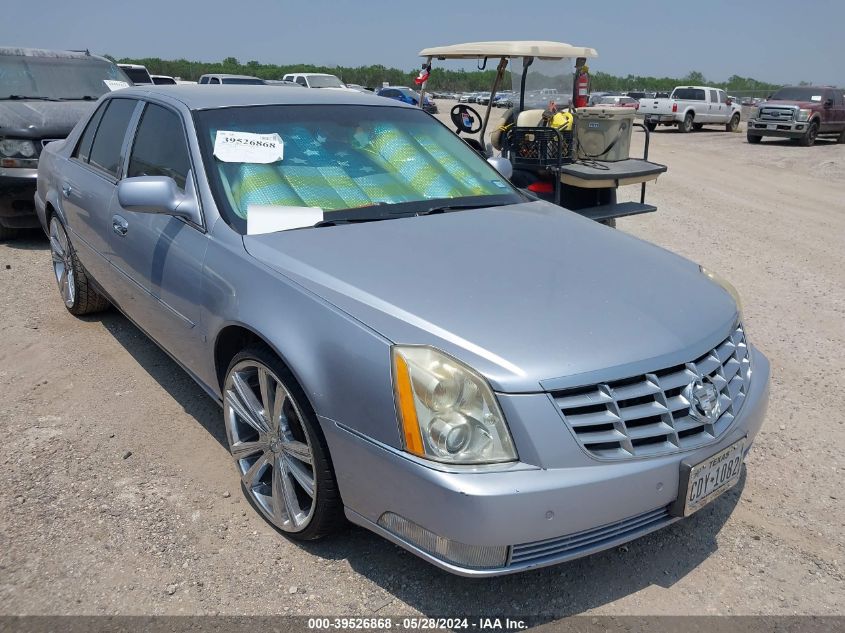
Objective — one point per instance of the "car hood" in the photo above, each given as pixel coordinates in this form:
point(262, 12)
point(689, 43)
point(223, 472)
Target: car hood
point(531, 295)
point(798, 104)
point(41, 119)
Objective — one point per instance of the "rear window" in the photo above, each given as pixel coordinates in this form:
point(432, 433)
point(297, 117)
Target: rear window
point(164, 81)
point(243, 81)
point(688, 94)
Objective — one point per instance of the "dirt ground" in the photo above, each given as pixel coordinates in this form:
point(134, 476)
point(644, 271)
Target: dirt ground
point(118, 496)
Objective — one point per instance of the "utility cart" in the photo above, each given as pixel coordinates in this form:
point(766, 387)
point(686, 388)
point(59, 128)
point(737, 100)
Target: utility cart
point(577, 160)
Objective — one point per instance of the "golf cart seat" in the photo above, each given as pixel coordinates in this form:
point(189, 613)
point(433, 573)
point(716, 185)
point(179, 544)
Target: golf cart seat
point(529, 118)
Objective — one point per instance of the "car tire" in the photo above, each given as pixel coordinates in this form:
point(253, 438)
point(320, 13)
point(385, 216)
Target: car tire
point(733, 124)
point(697, 126)
point(282, 457)
point(809, 138)
point(753, 138)
point(650, 126)
point(75, 287)
point(686, 126)
point(7, 234)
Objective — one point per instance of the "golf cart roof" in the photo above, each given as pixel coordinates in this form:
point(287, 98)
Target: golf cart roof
point(509, 48)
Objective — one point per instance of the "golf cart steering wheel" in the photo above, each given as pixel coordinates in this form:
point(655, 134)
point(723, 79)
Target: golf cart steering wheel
point(466, 119)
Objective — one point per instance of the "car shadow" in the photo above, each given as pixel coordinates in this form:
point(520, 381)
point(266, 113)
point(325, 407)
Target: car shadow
point(166, 372)
point(28, 240)
point(660, 559)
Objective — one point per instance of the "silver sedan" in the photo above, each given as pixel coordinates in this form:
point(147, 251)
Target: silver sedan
point(397, 336)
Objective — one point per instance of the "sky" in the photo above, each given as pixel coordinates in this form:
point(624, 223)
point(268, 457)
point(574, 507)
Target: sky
point(778, 41)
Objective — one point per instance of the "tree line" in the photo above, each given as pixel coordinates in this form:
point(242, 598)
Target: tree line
point(442, 79)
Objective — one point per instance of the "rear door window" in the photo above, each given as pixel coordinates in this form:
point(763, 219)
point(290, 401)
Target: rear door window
point(108, 141)
point(159, 148)
point(714, 96)
point(83, 148)
point(214, 80)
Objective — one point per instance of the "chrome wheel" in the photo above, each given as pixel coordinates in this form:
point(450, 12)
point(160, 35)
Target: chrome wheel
point(62, 262)
point(270, 444)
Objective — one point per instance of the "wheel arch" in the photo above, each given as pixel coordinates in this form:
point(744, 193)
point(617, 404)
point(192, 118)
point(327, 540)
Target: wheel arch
point(234, 337)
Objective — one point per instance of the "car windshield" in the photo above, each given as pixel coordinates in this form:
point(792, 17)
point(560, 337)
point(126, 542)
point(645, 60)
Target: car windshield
point(243, 81)
point(798, 94)
point(546, 79)
point(357, 159)
point(137, 75)
point(325, 81)
point(47, 77)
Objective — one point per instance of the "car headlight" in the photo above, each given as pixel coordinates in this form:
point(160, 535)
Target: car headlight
point(803, 114)
point(447, 412)
point(753, 112)
point(16, 148)
point(726, 285)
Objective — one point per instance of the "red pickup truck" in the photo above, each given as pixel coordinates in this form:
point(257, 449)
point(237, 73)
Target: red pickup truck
point(800, 113)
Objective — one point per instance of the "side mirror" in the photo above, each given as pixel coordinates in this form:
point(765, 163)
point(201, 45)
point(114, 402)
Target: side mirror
point(828, 103)
point(159, 194)
point(729, 101)
point(502, 165)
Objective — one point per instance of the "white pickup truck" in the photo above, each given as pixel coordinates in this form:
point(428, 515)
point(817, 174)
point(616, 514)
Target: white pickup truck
point(691, 108)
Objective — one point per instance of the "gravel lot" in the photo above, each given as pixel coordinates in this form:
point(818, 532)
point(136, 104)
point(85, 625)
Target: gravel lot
point(118, 496)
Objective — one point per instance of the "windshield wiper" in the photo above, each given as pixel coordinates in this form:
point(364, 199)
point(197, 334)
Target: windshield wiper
point(28, 98)
point(455, 207)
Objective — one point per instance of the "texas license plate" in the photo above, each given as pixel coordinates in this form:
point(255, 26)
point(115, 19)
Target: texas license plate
point(715, 475)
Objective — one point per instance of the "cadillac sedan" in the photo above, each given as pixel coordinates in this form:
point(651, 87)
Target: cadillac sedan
point(397, 336)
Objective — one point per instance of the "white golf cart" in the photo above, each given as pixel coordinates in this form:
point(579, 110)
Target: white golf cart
point(578, 165)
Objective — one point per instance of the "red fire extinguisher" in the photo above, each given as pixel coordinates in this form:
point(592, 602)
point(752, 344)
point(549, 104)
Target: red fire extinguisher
point(582, 88)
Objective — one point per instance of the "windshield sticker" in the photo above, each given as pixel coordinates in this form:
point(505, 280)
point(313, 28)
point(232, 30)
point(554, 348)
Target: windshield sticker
point(246, 147)
point(816, 98)
point(114, 84)
point(499, 184)
point(269, 218)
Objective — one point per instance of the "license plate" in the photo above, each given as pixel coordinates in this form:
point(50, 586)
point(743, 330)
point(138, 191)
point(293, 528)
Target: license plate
point(772, 126)
point(713, 476)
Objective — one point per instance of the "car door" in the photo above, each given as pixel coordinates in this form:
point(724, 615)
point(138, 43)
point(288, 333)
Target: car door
point(725, 110)
point(162, 254)
point(89, 183)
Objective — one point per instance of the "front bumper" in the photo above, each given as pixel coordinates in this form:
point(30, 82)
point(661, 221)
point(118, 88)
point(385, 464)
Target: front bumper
point(17, 192)
point(543, 516)
point(783, 129)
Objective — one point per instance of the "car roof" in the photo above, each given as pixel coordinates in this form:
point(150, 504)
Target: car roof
point(225, 76)
point(204, 97)
point(44, 52)
point(509, 48)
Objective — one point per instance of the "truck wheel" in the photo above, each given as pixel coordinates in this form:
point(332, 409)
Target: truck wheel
point(810, 137)
point(753, 138)
point(697, 126)
point(651, 126)
point(686, 125)
point(733, 124)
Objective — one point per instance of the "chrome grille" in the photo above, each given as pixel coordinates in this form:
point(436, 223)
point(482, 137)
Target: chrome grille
point(776, 114)
point(648, 414)
point(583, 542)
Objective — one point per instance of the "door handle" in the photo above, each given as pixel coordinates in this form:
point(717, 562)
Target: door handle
point(66, 189)
point(119, 225)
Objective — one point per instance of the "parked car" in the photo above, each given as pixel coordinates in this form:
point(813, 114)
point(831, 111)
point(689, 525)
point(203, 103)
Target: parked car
point(43, 94)
point(691, 108)
point(800, 113)
point(235, 80)
point(407, 95)
point(462, 416)
point(137, 73)
point(619, 102)
point(163, 80)
point(317, 80)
